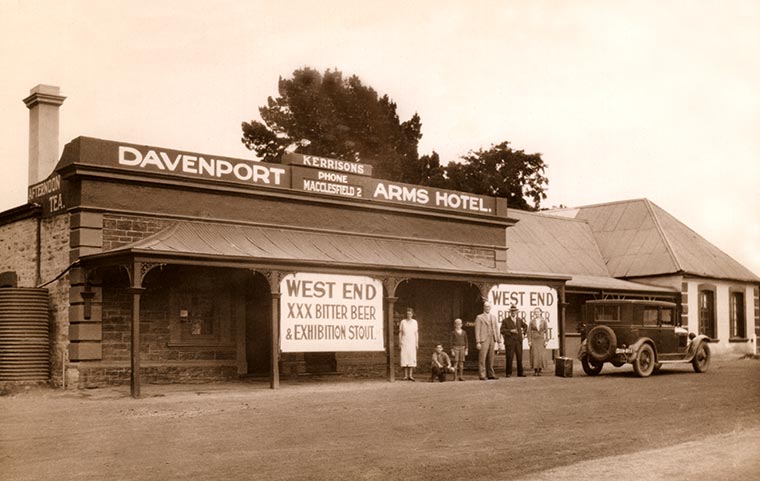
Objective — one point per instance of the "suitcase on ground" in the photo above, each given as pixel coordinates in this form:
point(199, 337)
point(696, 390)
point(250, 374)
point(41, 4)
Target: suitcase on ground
point(563, 367)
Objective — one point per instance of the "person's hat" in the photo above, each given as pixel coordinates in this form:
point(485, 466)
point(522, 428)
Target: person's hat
point(513, 308)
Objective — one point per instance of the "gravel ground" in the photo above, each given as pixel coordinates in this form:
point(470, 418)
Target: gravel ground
point(675, 425)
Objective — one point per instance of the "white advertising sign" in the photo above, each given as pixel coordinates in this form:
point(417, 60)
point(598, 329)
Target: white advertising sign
point(329, 313)
point(533, 302)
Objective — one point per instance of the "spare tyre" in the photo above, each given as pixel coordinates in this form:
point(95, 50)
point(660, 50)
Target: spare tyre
point(601, 343)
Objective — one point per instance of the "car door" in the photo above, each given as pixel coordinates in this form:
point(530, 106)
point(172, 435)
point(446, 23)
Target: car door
point(670, 335)
point(659, 325)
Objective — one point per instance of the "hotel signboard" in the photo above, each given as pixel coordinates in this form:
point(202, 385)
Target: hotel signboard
point(201, 166)
point(303, 173)
point(310, 176)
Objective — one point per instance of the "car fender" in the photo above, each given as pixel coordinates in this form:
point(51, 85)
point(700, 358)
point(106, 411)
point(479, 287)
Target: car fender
point(636, 345)
point(695, 343)
point(582, 350)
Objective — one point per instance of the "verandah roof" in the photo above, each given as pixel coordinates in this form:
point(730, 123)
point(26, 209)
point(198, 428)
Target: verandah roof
point(275, 245)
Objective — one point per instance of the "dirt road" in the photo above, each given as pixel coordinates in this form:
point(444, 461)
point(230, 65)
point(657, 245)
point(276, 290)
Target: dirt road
point(676, 423)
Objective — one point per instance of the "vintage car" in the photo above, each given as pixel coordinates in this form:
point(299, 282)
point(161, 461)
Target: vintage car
point(646, 334)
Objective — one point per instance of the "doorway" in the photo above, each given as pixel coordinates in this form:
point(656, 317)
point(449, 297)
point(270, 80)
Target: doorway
point(436, 304)
point(258, 326)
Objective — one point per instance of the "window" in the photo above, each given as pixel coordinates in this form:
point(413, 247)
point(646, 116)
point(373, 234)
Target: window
point(738, 318)
point(707, 312)
point(197, 315)
point(607, 313)
point(655, 316)
point(200, 309)
point(651, 315)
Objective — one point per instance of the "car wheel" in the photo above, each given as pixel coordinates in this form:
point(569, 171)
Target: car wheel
point(657, 367)
point(601, 343)
point(591, 366)
point(701, 361)
point(645, 361)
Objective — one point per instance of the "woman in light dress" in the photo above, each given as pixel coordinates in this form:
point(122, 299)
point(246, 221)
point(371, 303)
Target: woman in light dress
point(537, 339)
point(409, 342)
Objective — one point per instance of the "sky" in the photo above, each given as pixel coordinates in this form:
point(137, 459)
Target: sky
point(623, 99)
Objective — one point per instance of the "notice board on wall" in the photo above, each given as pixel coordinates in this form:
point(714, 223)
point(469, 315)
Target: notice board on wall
point(533, 302)
point(330, 313)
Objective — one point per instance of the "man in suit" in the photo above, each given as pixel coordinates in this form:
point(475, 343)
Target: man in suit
point(513, 329)
point(486, 337)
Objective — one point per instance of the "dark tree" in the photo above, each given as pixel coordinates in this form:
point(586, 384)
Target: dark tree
point(329, 116)
point(430, 171)
point(501, 172)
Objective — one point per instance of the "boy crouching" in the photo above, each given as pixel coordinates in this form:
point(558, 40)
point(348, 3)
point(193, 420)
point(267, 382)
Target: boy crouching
point(440, 365)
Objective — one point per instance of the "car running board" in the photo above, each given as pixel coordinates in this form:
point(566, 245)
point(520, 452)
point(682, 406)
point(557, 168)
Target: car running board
point(679, 361)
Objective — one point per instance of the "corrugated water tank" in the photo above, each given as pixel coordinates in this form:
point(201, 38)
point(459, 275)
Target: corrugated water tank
point(24, 334)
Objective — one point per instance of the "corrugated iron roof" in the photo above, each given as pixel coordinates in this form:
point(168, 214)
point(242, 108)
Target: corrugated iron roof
point(638, 238)
point(602, 244)
point(612, 284)
point(696, 255)
point(543, 243)
point(281, 244)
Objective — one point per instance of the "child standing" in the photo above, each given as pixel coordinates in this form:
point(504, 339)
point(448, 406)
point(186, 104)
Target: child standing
point(459, 348)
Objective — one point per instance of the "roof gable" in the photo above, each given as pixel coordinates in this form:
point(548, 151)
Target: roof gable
point(629, 238)
point(638, 238)
point(695, 255)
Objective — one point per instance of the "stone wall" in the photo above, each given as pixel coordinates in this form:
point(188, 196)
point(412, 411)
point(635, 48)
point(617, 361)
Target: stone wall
point(54, 241)
point(120, 230)
point(155, 336)
point(18, 250)
point(162, 359)
point(361, 364)
point(98, 375)
point(117, 312)
point(19, 253)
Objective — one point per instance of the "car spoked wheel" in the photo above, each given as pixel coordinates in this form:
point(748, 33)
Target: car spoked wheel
point(601, 343)
point(701, 361)
point(591, 366)
point(645, 361)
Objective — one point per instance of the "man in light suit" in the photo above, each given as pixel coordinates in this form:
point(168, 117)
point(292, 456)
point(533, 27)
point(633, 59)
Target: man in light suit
point(486, 337)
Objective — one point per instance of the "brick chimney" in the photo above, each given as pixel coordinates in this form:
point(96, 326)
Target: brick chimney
point(43, 103)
